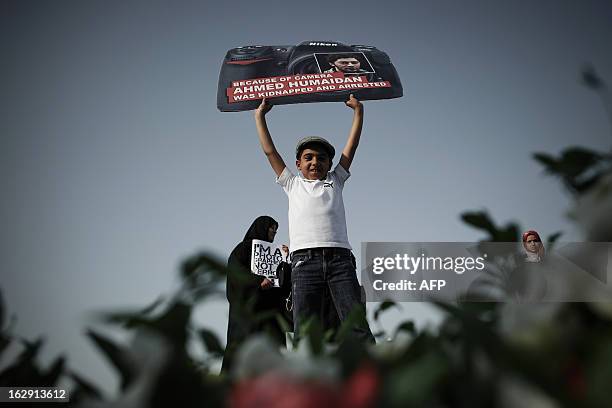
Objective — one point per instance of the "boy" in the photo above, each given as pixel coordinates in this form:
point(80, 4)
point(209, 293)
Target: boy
point(321, 253)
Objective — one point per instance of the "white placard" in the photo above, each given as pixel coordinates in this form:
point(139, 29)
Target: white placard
point(265, 258)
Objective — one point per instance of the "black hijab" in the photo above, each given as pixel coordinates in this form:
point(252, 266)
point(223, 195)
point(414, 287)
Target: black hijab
point(240, 259)
point(258, 230)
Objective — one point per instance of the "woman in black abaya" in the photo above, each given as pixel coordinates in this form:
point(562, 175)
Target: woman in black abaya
point(253, 300)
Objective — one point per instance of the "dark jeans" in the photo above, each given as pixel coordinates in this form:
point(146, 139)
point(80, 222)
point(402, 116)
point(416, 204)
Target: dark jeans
point(314, 271)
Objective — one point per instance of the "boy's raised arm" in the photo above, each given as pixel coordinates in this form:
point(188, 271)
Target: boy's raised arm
point(275, 159)
point(353, 140)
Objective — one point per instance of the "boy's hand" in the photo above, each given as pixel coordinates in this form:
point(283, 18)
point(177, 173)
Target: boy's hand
point(276, 161)
point(263, 108)
point(353, 103)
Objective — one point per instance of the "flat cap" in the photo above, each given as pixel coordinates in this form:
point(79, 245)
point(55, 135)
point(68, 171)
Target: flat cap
point(314, 139)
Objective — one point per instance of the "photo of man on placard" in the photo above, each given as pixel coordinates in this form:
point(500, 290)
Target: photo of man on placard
point(350, 63)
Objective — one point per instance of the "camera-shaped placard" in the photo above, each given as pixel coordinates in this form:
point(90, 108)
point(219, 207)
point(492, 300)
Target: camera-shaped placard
point(313, 71)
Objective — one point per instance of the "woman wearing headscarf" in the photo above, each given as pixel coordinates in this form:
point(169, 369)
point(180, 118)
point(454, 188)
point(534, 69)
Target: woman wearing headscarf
point(253, 300)
point(534, 249)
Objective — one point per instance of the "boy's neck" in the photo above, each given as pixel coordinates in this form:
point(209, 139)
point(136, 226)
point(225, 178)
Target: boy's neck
point(319, 179)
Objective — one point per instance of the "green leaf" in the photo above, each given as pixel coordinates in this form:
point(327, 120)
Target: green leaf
point(131, 318)
point(149, 308)
point(475, 331)
point(591, 79)
point(2, 312)
point(202, 275)
point(5, 337)
point(83, 389)
point(482, 220)
point(211, 342)
point(548, 161)
point(356, 318)
point(415, 384)
point(127, 319)
point(118, 356)
point(576, 160)
point(552, 239)
point(283, 323)
point(407, 326)
point(53, 374)
point(203, 264)
point(313, 330)
point(25, 369)
point(598, 374)
point(579, 168)
point(479, 220)
point(173, 324)
point(4, 343)
point(379, 334)
point(31, 349)
point(351, 353)
point(387, 304)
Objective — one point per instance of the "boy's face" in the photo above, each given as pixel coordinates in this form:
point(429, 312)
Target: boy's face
point(314, 163)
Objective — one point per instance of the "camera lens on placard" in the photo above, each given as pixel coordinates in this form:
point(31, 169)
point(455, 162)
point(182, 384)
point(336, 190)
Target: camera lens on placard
point(249, 52)
point(306, 64)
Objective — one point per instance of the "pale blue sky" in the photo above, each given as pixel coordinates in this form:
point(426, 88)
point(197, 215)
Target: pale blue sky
point(116, 165)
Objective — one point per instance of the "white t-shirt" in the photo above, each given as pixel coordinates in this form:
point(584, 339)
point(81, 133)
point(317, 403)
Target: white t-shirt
point(316, 210)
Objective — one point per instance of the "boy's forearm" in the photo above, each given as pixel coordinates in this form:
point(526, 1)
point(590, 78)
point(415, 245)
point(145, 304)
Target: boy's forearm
point(265, 139)
point(357, 125)
point(353, 140)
